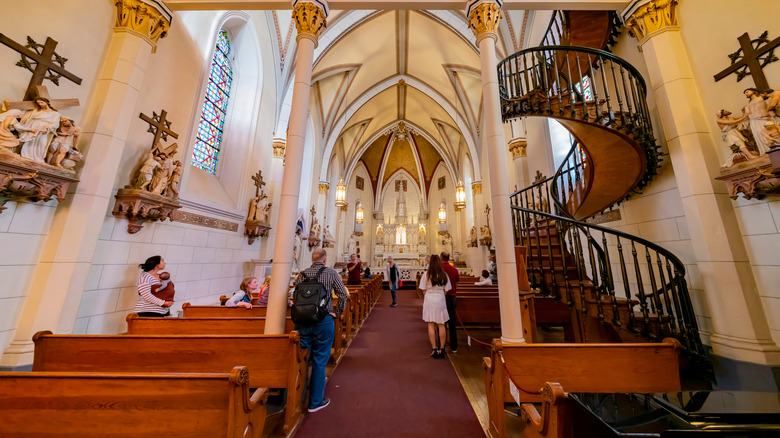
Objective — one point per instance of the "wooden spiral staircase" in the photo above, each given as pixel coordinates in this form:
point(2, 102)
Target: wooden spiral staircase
point(619, 287)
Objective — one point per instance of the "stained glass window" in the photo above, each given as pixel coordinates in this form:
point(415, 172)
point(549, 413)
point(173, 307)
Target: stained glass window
point(588, 93)
point(212, 117)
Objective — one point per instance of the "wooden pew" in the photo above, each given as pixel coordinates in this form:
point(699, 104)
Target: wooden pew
point(75, 404)
point(641, 368)
point(273, 361)
point(137, 325)
point(190, 311)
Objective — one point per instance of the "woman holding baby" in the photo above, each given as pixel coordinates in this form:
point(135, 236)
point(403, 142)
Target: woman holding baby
point(149, 280)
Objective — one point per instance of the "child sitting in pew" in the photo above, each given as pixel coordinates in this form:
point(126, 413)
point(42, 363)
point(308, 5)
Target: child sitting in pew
point(484, 280)
point(243, 296)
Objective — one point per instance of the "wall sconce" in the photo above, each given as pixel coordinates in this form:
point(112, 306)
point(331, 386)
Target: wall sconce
point(341, 194)
point(460, 196)
point(359, 213)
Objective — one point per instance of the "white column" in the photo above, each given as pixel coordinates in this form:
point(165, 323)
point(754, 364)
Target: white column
point(740, 327)
point(484, 17)
point(309, 19)
point(58, 284)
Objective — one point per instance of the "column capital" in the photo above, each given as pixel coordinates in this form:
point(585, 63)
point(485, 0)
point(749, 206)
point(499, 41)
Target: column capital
point(324, 186)
point(149, 19)
point(280, 147)
point(476, 187)
point(517, 146)
point(309, 16)
point(647, 17)
point(484, 17)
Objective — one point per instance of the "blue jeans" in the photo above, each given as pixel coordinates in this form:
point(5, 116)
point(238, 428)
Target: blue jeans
point(392, 289)
point(318, 339)
point(452, 324)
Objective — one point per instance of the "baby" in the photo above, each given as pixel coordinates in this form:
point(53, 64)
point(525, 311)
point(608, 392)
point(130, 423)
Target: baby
point(165, 290)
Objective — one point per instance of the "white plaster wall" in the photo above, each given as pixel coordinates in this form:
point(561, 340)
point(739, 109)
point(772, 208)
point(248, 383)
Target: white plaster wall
point(24, 225)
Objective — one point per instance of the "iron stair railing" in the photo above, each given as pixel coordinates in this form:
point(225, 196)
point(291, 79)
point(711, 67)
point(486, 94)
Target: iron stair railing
point(579, 83)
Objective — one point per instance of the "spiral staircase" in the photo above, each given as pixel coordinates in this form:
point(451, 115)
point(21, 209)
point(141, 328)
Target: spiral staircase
point(619, 287)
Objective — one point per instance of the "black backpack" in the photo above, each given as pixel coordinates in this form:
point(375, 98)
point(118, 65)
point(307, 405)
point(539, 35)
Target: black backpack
point(311, 301)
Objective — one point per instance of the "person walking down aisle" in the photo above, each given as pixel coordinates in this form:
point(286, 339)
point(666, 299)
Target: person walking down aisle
point(449, 297)
point(354, 270)
point(318, 338)
point(434, 284)
point(393, 275)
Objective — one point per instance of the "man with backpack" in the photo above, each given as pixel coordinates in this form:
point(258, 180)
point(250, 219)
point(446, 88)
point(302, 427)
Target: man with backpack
point(313, 314)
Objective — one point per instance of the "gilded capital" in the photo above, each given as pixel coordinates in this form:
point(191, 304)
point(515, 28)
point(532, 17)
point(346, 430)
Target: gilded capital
point(484, 19)
point(149, 20)
point(280, 147)
point(309, 19)
point(324, 188)
point(518, 148)
point(476, 187)
point(649, 17)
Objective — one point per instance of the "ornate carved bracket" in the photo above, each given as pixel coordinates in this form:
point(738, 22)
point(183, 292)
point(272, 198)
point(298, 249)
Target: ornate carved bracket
point(754, 178)
point(23, 179)
point(139, 206)
point(255, 229)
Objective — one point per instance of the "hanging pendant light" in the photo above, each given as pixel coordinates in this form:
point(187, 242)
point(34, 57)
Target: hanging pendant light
point(341, 194)
point(460, 196)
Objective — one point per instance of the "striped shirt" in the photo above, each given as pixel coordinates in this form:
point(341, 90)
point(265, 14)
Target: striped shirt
point(146, 301)
point(332, 281)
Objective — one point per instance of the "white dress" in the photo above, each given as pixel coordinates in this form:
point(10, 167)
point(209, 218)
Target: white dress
point(434, 305)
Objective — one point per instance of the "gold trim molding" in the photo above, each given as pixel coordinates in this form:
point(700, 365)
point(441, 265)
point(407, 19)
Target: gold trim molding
point(147, 19)
point(484, 20)
point(203, 221)
point(518, 148)
point(651, 17)
point(309, 20)
point(280, 147)
point(476, 188)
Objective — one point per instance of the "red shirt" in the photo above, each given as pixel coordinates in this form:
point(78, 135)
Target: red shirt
point(355, 274)
point(452, 273)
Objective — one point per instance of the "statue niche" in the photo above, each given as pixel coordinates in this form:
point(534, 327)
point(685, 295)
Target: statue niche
point(153, 193)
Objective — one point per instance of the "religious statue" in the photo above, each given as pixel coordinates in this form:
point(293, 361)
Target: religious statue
point(351, 244)
point(757, 113)
point(447, 241)
point(485, 237)
point(772, 98)
point(473, 237)
point(9, 119)
point(734, 139)
point(327, 238)
point(63, 151)
point(314, 234)
point(36, 129)
point(144, 177)
point(771, 133)
point(161, 174)
point(175, 181)
point(380, 236)
point(296, 249)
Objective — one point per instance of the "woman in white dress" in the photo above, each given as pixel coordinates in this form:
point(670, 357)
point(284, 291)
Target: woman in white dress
point(435, 283)
point(37, 128)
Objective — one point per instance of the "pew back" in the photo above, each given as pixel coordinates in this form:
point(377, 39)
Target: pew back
point(190, 311)
point(273, 361)
point(137, 325)
point(63, 404)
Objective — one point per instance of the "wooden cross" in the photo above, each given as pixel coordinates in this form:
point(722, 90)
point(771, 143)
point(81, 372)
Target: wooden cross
point(751, 62)
point(158, 126)
point(44, 63)
point(259, 183)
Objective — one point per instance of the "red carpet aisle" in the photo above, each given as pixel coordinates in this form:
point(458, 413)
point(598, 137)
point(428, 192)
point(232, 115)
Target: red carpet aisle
point(388, 386)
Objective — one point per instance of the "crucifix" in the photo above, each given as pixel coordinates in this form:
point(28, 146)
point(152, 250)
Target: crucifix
point(313, 211)
point(44, 63)
point(487, 213)
point(259, 183)
point(750, 59)
point(161, 128)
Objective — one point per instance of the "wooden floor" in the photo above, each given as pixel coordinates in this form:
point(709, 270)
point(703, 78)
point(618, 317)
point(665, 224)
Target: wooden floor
point(468, 365)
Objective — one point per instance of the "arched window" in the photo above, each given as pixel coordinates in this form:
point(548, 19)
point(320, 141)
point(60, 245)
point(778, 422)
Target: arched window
point(212, 116)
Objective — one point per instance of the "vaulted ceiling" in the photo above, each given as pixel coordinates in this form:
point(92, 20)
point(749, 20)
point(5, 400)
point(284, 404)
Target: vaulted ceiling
point(376, 70)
